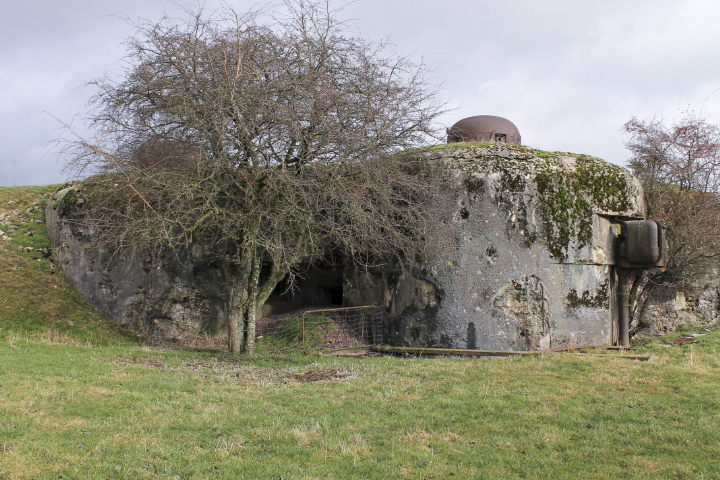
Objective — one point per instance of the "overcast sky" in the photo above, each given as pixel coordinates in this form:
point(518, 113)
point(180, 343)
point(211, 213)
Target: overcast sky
point(568, 73)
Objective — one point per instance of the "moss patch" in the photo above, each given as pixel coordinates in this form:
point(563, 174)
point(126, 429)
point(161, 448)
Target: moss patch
point(491, 146)
point(544, 154)
point(567, 214)
point(604, 183)
point(565, 190)
point(600, 299)
point(568, 198)
point(67, 202)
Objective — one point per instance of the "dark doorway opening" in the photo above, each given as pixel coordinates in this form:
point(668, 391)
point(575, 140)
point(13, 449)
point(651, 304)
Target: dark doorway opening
point(331, 295)
point(316, 287)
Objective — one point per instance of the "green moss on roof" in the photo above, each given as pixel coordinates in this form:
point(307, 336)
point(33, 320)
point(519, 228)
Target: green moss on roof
point(569, 188)
point(506, 146)
point(473, 145)
point(570, 196)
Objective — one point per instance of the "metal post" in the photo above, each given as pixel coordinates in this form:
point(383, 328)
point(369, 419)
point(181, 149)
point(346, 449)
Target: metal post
point(623, 308)
point(303, 333)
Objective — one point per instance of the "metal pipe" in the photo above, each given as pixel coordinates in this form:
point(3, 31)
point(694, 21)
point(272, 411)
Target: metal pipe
point(623, 307)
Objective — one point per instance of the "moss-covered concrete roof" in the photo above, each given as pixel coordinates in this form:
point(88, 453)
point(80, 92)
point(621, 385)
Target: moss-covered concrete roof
point(565, 189)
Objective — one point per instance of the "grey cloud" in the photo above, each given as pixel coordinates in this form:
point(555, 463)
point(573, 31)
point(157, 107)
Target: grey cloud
point(568, 73)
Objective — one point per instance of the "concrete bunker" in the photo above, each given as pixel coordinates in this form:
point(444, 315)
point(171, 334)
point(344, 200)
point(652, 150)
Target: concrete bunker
point(534, 265)
point(535, 261)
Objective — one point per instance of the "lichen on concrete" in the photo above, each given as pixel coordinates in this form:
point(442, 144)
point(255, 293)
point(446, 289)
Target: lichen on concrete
point(570, 192)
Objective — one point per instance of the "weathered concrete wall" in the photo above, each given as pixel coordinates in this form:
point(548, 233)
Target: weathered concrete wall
point(533, 263)
point(532, 267)
point(667, 309)
point(173, 297)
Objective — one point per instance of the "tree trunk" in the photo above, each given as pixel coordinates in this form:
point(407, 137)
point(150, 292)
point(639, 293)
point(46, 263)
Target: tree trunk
point(247, 297)
point(234, 333)
point(250, 329)
point(250, 304)
point(241, 320)
point(638, 295)
point(238, 293)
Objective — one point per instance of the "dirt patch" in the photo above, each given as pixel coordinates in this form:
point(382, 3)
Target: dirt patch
point(139, 361)
point(319, 375)
point(219, 363)
point(231, 368)
point(204, 342)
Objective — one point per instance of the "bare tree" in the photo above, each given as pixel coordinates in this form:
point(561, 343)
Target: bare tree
point(684, 153)
point(678, 163)
point(272, 141)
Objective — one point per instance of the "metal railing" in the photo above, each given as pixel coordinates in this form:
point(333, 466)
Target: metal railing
point(341, 328)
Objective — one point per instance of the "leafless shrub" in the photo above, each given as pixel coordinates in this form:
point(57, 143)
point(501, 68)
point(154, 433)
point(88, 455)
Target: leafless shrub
point(678, 163)
point(271, 141)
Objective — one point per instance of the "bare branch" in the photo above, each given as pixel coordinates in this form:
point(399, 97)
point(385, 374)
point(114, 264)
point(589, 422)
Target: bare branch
point(271, 140)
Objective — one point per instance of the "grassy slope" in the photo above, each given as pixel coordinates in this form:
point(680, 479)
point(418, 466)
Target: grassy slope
point(34, 302)
point(72, 409)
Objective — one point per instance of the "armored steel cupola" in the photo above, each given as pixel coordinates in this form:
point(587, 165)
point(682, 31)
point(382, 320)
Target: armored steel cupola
point(484, 128)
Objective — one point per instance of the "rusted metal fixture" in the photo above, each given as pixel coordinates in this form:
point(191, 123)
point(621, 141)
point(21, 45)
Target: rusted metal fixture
point(484, 128)
point(623, 300)
point(587, 347)
point(640, 245)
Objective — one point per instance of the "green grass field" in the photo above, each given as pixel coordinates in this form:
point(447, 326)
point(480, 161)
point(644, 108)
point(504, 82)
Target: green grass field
point(82, 399)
